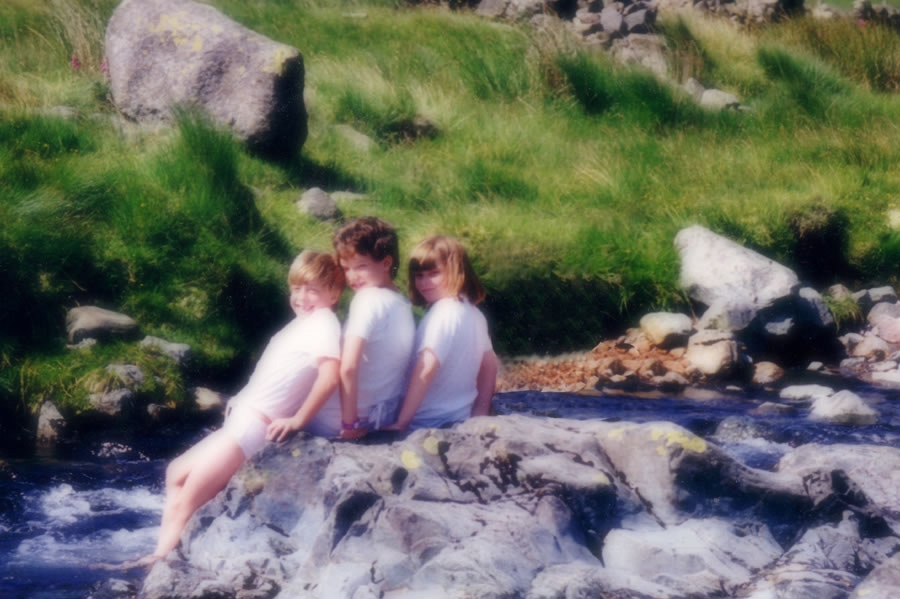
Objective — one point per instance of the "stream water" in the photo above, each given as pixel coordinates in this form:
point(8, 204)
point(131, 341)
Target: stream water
point(101, 501)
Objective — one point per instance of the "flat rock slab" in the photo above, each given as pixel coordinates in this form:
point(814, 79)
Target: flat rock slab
point(166, 54)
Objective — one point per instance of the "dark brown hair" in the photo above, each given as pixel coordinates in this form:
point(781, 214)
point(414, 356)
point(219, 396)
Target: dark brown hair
point(368, 236)
point(444, 252)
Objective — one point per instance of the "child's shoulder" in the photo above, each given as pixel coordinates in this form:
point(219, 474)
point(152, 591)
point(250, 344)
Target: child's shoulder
point(378, 296)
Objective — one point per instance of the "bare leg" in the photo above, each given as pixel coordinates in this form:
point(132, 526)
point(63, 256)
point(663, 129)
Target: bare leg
point(193, 479)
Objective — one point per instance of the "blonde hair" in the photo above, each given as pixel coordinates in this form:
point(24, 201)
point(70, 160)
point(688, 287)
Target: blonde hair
point(444, 252)
point(312, 266)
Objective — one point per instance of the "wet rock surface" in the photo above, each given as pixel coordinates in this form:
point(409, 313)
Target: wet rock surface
point(547, 507)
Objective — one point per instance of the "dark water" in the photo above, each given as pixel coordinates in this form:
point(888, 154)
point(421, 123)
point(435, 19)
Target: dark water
point(101, 502)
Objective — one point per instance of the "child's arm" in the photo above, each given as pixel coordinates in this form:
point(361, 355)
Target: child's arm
point(426, 368)
point(486, 383)
point(350, 359)
point(326, 381)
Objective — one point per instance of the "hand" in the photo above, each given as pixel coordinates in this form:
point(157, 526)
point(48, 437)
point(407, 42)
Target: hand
point(353, 434)
point(281, 428)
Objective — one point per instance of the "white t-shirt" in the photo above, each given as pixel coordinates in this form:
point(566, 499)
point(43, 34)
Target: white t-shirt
point(384, 319)
point(456, 332)
point(290, 363)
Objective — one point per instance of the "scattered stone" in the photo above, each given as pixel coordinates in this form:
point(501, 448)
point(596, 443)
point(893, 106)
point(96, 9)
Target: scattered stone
point(611, 20)
point(113, 403)
point(844, 407)
point(883, 366)
point(51, 424)
point(864, 301)
point(735, 429)
point(208, 400)
point(826, 12)
point(839, 292)
point(359, 141)
point(715, 268)
point(667, 329)
point(640, 21)
point(169, 53)
point(92, 322)
point(714, 353)
point(890, 378)
point(882, 582)
point(180, 352)
point(805, 392)
point(87, 343)
point(871, 347)
point(715, 99)
point(645, 50)
point(770, 408)
point(728, 315)
point(318, 204)
point(850, 341)
point(883, 294)
point(813, 306)
point(767, 373)
point(694, 88)
point(815, 366)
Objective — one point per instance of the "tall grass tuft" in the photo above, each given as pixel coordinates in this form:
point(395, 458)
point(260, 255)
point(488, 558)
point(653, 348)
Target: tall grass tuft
point(866, 52)
point(80, 26)
point(635, 96)
point(810, 84)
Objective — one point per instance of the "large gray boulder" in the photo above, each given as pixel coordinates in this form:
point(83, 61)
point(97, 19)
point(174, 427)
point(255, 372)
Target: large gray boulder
point(714, 268)
point(165, 54)
point(844, 407)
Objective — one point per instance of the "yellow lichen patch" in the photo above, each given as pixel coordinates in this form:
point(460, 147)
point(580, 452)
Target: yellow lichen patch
point(410, 459)
point(276, 60)
point(687, 441)
point(296, 453)
point(198, 45)
point(431, 444)
point(616, 434)
point(600, 479)
point(494, 426)
point(661, 450)
point(216, 29)
point(657, 434)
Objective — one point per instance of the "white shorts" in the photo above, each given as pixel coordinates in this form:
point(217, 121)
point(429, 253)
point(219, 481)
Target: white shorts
point(248, 429)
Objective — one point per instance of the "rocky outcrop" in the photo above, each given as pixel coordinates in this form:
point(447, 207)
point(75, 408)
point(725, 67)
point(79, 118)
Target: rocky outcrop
point(166, 54)
point(514, 506)
point(742, 11)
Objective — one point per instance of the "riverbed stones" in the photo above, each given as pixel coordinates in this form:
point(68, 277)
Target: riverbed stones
point(843, 407)
point(93, 322)
point(667, 329)
point(118, 402)
point(871, 346)
point(208, 400)
point(714, 268)
point(51, 424)
point(164, 55)
point(801, 393)
point(180, 352)
point(882, 582)
point(713, 353)
point(767, 373)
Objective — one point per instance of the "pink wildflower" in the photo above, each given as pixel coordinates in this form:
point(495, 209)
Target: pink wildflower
point(76, 64)
point(103, 67)
point(861, 22)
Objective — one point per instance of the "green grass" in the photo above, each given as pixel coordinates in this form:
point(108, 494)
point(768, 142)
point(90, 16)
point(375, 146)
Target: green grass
point(566, 176)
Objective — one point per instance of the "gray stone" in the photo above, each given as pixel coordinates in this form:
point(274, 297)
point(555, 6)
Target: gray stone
point(844, 407)
point(839, 292)
point(883, 294)
point(889, 379)
point(862, 298)
point(612, 21)
point(769, 408)
point(825, 12)
point(716, 99)
point(700, 556)
point(805, 392)
point(815, 366)
point(871, 347)
point(180, 352)
point(728, 315)
point(713, 353)
point(640, 21)
point(666, 329)
point(814, 305)
point(850, 340)
point(87, 343)
point(163, 54)
point(359, 141)
point(113, 403)
point(208, 400)
point(694, 88)
point(714, 268)
point(882, 582)
point(318, 204)
point(884, 309)
point(766, 373)
point(885, 320)
point(51, 423)
point(883, 366)
point(92, 322)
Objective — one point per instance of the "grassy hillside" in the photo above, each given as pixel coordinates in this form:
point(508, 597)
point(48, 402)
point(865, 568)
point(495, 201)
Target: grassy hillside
point(566, 177)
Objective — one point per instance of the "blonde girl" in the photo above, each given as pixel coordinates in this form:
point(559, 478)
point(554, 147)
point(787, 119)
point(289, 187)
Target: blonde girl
point(455, 368)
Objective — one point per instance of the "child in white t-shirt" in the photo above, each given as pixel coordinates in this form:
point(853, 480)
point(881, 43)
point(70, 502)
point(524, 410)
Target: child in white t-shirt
point(455, 370)
point(296, 375)
point(379, 332)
